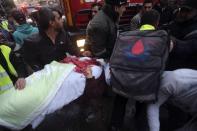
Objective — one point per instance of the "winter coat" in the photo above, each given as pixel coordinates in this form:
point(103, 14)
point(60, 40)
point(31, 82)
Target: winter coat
point(184, 53)
point(102, 33)
point(22, 32)
point(135, 21)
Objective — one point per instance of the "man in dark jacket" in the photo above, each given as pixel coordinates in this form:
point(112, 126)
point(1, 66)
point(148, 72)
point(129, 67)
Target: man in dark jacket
point(184, 29)
point(52, 42)
point(166, 12)
point(102, 29)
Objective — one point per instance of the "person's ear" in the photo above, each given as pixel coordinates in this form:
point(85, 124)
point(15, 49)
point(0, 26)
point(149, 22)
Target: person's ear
point(157, 24)
point(116, 8)
point(51, 23)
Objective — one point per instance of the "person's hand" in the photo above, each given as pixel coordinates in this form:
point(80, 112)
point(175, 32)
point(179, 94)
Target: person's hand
point(173, 39)
point(20, 84)
point(88, 72)
point(87, 54)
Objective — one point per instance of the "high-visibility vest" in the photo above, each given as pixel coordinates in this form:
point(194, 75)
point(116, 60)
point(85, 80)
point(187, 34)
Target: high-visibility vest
point(4, 25)
point(147, 27)
point(5, 81)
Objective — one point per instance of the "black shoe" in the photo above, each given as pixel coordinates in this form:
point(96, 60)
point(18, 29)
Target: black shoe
point(4, 129)
point(114, 129)
point(91, 117)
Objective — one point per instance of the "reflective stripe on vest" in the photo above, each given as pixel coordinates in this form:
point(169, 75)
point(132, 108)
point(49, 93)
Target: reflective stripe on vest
point(6, 53)
point(5, 81)
point(3, 74)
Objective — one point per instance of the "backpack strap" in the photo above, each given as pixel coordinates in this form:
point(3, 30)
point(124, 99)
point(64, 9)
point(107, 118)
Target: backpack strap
point(191, 33)
point(3, 62)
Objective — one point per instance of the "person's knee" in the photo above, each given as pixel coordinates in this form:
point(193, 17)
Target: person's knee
point(168, 77)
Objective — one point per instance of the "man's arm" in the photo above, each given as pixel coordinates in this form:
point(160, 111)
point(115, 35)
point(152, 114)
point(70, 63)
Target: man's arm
point(135, 21)
point(19, 65)
point(97, 36)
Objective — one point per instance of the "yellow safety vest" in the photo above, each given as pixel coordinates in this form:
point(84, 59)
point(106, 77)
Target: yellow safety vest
point(4, 25)
point(5, 81)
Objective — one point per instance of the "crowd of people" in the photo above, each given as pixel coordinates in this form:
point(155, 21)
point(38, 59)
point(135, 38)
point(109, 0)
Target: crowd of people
point(25, 50)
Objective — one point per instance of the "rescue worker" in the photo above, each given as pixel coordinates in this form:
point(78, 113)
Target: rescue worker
point(4, 24)
point(8, 24)
point(8, 74)
point(136, 20)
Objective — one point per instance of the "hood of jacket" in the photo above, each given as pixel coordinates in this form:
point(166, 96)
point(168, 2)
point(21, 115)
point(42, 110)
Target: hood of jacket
point(25, 28)
point(109, 11)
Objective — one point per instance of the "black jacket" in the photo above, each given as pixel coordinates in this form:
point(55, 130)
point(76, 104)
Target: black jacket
point(184, 53)
point(38, 50)
point(166, 14)
point(102, 32)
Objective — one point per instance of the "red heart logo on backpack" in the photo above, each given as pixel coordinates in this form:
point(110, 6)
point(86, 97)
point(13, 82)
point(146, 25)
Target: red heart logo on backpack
point(138, 48)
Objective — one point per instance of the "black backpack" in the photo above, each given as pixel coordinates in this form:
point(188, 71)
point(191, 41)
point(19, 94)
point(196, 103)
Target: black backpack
point(137, 63)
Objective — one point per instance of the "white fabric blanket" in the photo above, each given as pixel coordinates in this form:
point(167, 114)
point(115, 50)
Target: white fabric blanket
point(72, 87)
point(20, 108)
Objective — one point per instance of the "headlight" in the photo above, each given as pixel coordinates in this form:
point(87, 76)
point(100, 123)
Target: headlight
point(81, 43)
point(82, 50)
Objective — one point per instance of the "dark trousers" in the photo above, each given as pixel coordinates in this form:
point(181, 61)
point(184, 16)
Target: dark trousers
point(118, 114)
point(141, 121)
point(118, 111)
